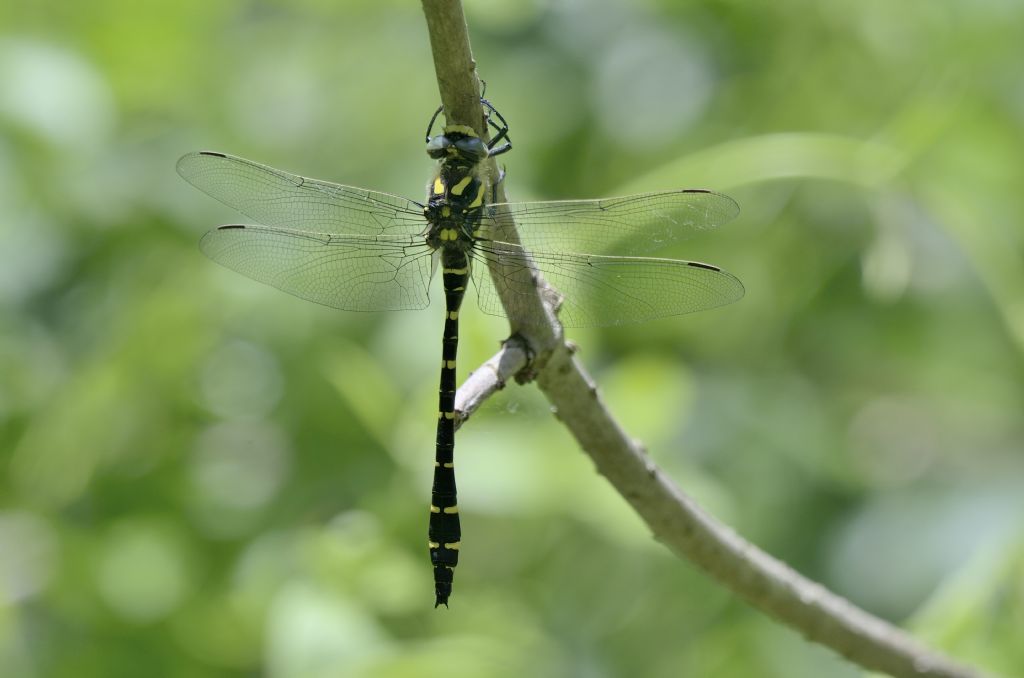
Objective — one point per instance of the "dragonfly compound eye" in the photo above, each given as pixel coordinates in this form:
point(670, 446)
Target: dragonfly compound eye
point(471, 149)
point(437, 147)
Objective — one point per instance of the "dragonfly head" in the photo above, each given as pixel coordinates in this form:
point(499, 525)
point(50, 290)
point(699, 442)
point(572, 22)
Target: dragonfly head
point(458, 143)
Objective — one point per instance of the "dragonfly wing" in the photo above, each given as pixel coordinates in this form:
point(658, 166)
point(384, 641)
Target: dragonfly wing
point(635, 224)
point(350, 272)
point(599, 290)
point(275, 198)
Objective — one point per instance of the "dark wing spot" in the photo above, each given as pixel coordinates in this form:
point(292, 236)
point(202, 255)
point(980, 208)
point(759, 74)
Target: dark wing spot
point(213, 153)
point(224, 228)
point(697, 264)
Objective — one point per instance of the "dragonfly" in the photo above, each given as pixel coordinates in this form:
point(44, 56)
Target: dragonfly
point(357, 249)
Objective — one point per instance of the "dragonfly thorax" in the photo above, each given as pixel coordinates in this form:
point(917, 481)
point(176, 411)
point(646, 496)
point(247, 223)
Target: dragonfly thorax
point(454, 207)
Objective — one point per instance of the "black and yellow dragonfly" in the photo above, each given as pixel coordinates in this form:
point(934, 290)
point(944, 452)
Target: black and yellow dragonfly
point(362, 250)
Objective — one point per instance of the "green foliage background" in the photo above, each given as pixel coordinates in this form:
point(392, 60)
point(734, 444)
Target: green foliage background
point(206, 477)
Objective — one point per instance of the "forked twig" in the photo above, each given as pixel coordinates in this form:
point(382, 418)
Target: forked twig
point(673, 517)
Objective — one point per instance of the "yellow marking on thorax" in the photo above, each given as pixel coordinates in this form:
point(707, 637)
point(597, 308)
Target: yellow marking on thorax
point(458, 188)
point(446, 211)
point(448, 233)
point(438, 186)
point(479, 199)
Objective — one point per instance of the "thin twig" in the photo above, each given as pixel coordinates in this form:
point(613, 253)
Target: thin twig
point(490, 377)
point(673, 517)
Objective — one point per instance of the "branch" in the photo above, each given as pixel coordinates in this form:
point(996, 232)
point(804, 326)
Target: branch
point(674, 518)
point(454, 65)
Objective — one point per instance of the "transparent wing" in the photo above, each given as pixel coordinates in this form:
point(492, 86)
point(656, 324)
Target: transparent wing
point(350, 272)
point(600, 290)
point(275, 198)
point(635, 224)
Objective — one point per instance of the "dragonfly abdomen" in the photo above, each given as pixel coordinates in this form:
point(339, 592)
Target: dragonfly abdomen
point(444, 532)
